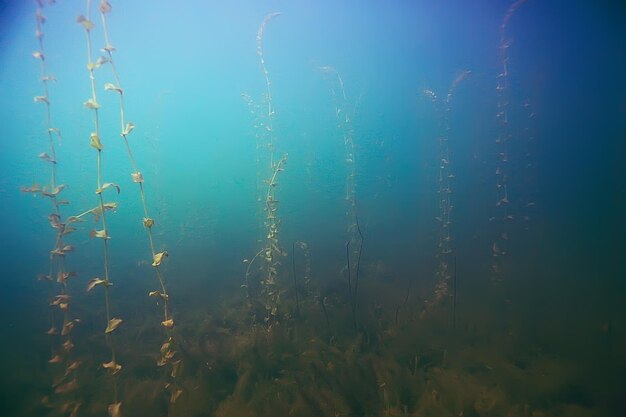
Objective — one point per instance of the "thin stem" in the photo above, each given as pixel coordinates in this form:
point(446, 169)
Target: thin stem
point(148, 222)
point(349, 269)
point(454, 296)
point(503, 210)
point(56, 257)
point(268, 90)
point(108, 335)
point(272, 252)
point(358, 261)
point(295, 278)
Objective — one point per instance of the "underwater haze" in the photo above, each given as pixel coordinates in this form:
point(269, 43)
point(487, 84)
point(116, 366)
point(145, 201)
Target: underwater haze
point(312, 208)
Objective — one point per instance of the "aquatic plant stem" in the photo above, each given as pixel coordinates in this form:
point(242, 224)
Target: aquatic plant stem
point(445, 191)
point(354, 291)
point(272, 252)
point(355, 238)
point(270, 288)
point(268, 90)
point(350, 291)
point(40, 19)
point(59, 353)
point(454, 296)
point(406, 300)
point(295, 278)
point(112, 367)
point(503, 215)
point(323, 305)
point(358, 260)
point(168, 354)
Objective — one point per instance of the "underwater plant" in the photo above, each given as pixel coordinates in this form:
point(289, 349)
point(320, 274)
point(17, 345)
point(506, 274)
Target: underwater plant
point(271, 253)
point(305, 286)
point(168, 353)
point(504, 214)
point(528, 149)
point(445, 191)
point(61, 342)
point(354, 242)
point(113, 367)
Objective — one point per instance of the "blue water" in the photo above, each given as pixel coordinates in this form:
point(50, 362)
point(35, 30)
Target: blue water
point(540, 337)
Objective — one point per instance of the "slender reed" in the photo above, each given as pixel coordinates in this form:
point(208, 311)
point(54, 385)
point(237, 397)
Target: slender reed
point(61, 345)
point(353, 287)
point(454, 287)
point(445, 188)
point(169, 355)
point(344, 123)
point(529, 149)
point(113, 367)
point(295, 278)
point(306, 283)
point(271, 253)
point(268, 83)
point(404, 302)
point(358, 260)
point(354, 244)
point(503, 216)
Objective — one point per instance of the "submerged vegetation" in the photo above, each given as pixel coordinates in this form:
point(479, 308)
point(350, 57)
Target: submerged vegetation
point(271, 286)
point(63, 365)
point(168, 354)
point(354, 242)
point(113, 367)
point(446, 262)
point(293, 338)
point(505, 218)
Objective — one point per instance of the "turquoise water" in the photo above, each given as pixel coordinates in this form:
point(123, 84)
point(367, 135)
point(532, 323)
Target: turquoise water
point(442, 237)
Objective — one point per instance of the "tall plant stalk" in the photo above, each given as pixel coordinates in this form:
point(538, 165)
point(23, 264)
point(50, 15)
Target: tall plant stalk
point(354, 243)
point(113, 367)
point(271, 253)
point(168, 353)
point(445, 192)
point(61, 343)
point(504, 215)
